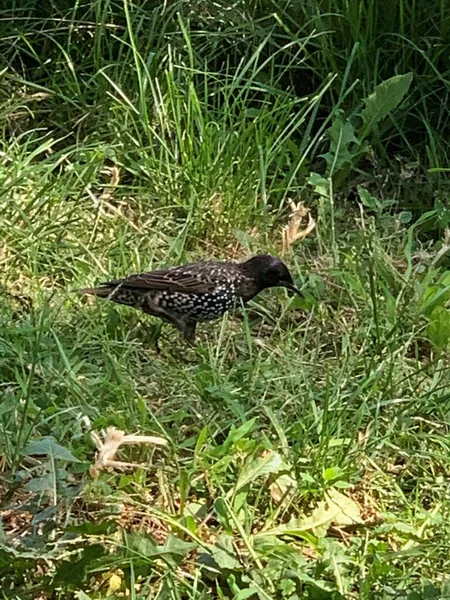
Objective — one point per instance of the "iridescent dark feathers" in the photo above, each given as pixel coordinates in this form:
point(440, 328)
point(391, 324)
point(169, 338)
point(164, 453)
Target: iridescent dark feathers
point(186, 295)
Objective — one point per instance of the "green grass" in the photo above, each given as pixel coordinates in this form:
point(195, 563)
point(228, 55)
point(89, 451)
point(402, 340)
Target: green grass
point(308, 441)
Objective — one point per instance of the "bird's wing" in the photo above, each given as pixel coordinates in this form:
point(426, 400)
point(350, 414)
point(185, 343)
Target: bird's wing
point(179, 279)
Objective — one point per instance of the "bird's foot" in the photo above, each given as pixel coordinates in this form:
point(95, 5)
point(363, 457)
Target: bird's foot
point(189, 332)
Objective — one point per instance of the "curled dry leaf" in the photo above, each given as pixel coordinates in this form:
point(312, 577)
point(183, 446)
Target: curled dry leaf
point(216, 203)
point(108, 447)
point(114, 174)
point(292, 232)
point(38, 96)
point(101, 201)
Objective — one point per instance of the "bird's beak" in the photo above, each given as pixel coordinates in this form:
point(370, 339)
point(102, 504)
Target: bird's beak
point(293, 288)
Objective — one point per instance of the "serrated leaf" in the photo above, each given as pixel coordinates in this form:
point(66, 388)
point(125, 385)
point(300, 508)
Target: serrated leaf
point(336, 508)
point(344, 145)
point(270, 463)
point(287, 586)
point(385, 98)
point(48, 446)
point(341, 134)
point(75, 570)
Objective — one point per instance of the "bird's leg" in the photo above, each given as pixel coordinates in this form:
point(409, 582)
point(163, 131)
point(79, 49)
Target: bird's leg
point(187, 327)
point(166, 317)
point(157, 336)
point(189, 332)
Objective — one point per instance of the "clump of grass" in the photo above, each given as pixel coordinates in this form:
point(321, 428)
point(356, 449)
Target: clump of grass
point(308, 444)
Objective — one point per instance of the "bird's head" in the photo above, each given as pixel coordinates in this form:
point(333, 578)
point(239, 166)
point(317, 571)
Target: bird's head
point(270, 271)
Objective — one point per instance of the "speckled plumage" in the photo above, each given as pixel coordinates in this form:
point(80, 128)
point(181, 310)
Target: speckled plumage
point(186, 295)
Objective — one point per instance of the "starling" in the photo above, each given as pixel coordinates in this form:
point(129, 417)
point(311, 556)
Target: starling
point(203, 291)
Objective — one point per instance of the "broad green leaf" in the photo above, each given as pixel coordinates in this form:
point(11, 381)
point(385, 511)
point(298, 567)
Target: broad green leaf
point(247, 593)
point(320, 184)
point(287, 586)
point(444, 279)
point(307, 478)
point(434, 297)
point(142, 544)
point(195, 509)
point(221, 510)
point(190, 523)
point(438, 330)
point(75, 568)
point(202, 437)
point(8, 405)
point(40, 484)
point(344, 145)
point(368, 200)
point(240, 500)
point(385, 98)
point(271, 463)
point(174, 550)
point(244, 238)
point(224, 553)
point(341, 134)
point(332, 473)
point(49, 447)
point(407, 528)
point(405, 216)
point(174, 545)
point(237, 434)
point(294, 527)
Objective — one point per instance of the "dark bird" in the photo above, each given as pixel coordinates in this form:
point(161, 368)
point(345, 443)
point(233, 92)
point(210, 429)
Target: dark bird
point(203, 291)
